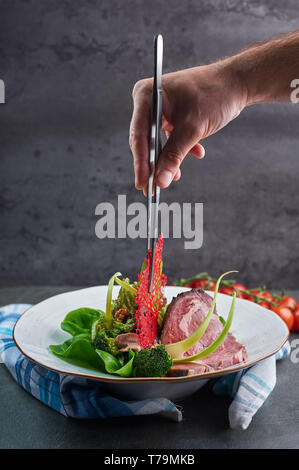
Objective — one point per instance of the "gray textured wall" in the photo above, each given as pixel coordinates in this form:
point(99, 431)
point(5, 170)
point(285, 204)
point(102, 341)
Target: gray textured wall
point(69, 67)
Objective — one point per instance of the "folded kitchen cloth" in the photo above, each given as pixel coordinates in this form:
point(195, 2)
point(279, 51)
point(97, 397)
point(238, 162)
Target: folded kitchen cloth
point(249, 388)
point(77, 397)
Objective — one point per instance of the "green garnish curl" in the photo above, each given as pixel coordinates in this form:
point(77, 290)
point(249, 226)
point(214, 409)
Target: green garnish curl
point(125, 285)
point(109, 300)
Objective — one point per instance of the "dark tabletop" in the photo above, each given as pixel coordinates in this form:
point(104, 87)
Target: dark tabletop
point(27, 423)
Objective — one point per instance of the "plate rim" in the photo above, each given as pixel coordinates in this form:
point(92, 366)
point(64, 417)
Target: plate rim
point(122, 380)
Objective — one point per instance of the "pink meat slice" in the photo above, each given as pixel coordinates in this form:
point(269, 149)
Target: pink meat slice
point(127, 341)
point(230, 352)
point(191, 368)
point(184, 315)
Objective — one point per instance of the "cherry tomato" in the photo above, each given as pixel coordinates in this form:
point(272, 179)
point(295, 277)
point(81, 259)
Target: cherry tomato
point(204, 283)
point(250, 297)
point(259, 294)
point(265, 305)
point(267, 295)
point(211, 285)
point(240, 288)
point(288, 302)
point(296, 320)
point(227, 290)
point(286, 315)
point(198, 283)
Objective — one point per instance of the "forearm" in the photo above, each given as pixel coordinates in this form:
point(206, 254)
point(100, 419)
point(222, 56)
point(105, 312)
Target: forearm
point(266, 70)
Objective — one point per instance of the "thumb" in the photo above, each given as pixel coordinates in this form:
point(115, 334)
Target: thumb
point(180, 141)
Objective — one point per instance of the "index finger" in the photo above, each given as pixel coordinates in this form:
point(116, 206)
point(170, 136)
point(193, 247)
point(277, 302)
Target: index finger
point(139, 131)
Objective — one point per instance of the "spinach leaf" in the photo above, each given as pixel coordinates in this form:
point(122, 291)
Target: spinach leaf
point(80, 321)
point(113, 365)
point(78, 350)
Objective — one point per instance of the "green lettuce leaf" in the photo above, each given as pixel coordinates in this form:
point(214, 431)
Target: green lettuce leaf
point(80, 321)
point(78, 350)
point(82, 324)
point(113, 365)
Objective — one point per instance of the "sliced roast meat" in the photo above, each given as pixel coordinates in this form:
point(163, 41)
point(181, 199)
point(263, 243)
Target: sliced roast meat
point(184, 315)
point(127, 341)
point(229, 353)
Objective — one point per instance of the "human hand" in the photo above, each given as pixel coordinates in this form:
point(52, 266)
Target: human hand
point(197, 102)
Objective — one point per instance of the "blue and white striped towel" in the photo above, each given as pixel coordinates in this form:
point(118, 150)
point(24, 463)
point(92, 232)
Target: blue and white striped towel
point(77, 397)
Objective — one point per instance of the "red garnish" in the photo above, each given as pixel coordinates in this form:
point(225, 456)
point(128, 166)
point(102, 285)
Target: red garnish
point(150, 303)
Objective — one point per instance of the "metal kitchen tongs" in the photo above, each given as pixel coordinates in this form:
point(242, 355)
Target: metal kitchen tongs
point(155, 147)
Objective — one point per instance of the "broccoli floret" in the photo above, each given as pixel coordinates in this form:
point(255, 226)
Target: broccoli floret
point(153, 362)
point(116, 329)
point(119, 328)
point(101, 322)
point(104, 342)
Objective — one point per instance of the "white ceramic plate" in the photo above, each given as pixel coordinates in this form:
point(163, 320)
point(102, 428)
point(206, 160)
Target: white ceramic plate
point(261, 331)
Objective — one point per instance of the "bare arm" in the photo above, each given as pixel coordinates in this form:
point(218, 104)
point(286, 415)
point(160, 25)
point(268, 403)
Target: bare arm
point(268, 68)
point(199, 101)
